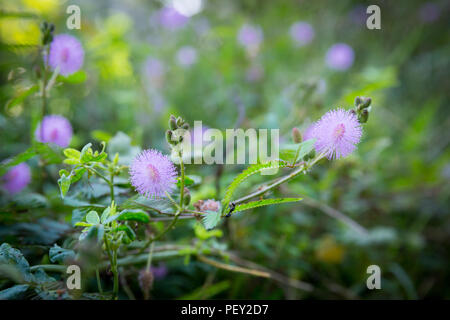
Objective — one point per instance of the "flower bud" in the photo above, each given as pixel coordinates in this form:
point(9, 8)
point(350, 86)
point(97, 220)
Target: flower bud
point(364, 116)
point(145, 282)
point(169, 139)
point(186, 197)
point(358, 101)
point(179, 121)
point(366, 103)
point(296, 135)
point(172, 123)
point(185, 126)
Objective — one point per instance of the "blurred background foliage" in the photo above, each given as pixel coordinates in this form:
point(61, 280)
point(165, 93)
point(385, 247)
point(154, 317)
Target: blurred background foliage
point(396, 185)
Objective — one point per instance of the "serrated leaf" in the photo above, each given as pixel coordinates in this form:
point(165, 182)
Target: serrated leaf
point(265, 202)
point(92, 217)
point(134, 215)
point(251, 170)
point(211, 219)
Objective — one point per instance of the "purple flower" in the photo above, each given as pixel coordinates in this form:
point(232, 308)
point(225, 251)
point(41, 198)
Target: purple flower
point(17, 178)
point(340, 57)
point(152, 173)
point(302, 33)
point(55, 129)
point(337, 133)
point(160, 271)
point(171, 19)
point(308, 132)
point(66, 53)
point(429, 12)
point(250, 36)
point(186, 56)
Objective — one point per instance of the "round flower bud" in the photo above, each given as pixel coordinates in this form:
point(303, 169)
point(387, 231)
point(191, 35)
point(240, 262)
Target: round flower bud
point(186, 197)
point(172, 123)
point(364, 116)
point(296, 135)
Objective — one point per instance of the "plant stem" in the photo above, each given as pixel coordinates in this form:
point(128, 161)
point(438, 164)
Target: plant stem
point(282, 180)
point(99, 284)
point(182, 181)
point(116, 276)
point(175, 219)
point(111, 186)
point(228, 267)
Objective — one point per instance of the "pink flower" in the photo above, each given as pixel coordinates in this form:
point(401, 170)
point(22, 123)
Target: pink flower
point(55, 129)
point(66, 53)
point(17, 178)
point(337, 133)
point(152, 174)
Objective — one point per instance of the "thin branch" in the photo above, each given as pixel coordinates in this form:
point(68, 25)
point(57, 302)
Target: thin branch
point(228, 267)
point(336, 214)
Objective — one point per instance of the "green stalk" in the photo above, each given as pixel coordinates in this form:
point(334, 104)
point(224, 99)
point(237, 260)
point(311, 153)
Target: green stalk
point(99, 284)
point(182, 181)
point(284, 179)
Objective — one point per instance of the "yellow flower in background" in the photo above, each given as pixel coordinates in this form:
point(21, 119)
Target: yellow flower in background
point(47, 7)
point(329, 251)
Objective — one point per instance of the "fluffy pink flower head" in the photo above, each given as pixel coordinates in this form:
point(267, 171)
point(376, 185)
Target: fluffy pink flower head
point(17, 178)
point(66, 53)
point(337, 133)
point(152, 173)
point(55, 129)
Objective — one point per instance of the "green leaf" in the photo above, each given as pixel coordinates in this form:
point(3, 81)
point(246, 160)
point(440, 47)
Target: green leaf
point(21, 157)
point(134, 215)
point(83, 224)
point(75, 78)
point(72, 153)
point(251, 170)
point(190, 180)
point(92, 217)
point(265, 202)
point(105, 215)
point(58, 254)
point(22, 95)
point(211, 219)
point(64, 184)
point(16, 292)
point(85, 151)
point(14, 264)
point(128, 232)
point(305, 147)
